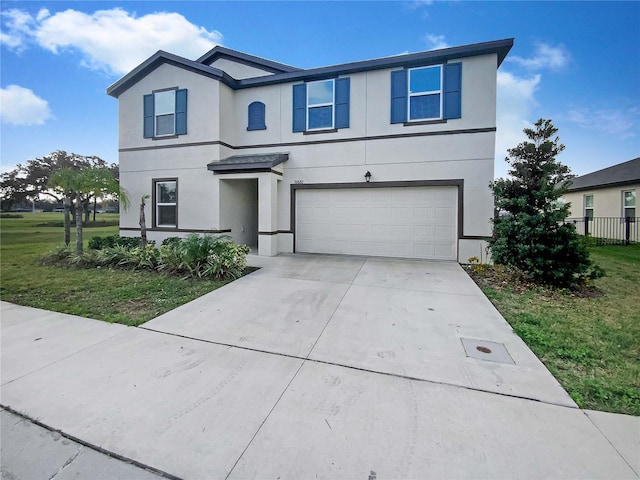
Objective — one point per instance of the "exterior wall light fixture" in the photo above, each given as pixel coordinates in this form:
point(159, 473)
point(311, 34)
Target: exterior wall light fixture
point(367, 176)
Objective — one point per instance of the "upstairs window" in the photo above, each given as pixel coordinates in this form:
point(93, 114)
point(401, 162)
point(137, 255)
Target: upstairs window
point(165, 201)
point(425, 93)
point(165, 113)
point(320, 100)
point(164, 104)
point(256, 113)
point(629, 203)
point(588, 206)
point(321, 105)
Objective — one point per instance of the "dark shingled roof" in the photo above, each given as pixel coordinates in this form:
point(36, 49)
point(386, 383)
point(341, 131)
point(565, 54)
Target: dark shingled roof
point(287, 74)
point(620, 174)
point(248, 163)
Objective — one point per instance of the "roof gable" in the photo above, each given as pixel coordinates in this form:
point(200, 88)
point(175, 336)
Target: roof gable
point(161, 58)
point(218, 52)
point(620, 174)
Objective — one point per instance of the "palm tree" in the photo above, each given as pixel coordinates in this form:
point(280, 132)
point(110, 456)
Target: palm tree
point(81, 185)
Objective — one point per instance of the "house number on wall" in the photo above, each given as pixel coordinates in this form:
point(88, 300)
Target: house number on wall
point(298, 182)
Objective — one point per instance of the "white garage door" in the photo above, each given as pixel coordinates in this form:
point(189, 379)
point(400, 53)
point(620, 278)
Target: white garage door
point(412, 222)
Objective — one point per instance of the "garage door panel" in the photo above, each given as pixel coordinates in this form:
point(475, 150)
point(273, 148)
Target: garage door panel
point(413, 222)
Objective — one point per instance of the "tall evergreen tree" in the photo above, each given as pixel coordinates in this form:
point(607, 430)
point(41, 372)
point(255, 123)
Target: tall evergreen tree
point(529, 232)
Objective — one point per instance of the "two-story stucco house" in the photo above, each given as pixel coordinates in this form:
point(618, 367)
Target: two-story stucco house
point(389, 157)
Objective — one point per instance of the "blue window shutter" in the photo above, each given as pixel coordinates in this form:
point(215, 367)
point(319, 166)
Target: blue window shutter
point(299, 107)
point(256, 116)
point(342, 102)
point(452, 90)
point(181, 112)
point(399, 96)
point(148, 126)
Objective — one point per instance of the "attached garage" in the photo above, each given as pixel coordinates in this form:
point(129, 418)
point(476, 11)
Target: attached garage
point(395, 221)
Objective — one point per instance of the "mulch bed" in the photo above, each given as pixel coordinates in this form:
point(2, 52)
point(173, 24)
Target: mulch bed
point(503, 278)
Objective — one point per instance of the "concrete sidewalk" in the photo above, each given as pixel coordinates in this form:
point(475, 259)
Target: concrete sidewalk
point(313, 367)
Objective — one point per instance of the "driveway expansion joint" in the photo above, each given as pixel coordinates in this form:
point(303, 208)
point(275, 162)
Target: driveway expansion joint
point(366, 370)
point(84, 443)
point(633, 469)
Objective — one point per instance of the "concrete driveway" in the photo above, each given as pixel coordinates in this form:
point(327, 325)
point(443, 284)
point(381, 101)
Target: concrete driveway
point(314, 367)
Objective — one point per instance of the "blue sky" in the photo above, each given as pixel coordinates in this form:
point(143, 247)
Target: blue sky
point(577, 63)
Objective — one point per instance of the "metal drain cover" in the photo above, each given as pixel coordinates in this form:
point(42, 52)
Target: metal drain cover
point(484, 350)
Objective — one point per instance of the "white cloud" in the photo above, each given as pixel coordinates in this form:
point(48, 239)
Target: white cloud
point(545, 56)
point(16, 27)
point(515, 104)
point(20, 106)
point(113, 40)
point(621, 123)
point(435, 42)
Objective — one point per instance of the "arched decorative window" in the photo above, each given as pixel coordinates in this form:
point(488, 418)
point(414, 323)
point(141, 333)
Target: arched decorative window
point(256, 116)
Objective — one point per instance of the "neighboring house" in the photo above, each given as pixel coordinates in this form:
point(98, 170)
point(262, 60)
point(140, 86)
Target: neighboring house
point(389, 157)
point(610, 192)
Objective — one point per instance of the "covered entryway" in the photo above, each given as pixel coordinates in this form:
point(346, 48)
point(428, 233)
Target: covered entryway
point(249, 198)
point(410, 222)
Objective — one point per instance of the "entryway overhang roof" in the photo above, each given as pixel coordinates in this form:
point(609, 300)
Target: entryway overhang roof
point(261, 162)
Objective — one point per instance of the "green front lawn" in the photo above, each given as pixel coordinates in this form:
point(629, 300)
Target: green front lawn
point(591, 344)
point(122, 296)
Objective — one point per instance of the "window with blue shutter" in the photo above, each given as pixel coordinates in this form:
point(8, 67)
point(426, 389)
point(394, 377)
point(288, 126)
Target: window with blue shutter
point(149, 116)
point(426, 93)
point(256, 114)
point(165, 113)
point(300, 107)
point(321, 105)
point(452, 90)
point(181, 112)
point(399, 96)
point(342, 99)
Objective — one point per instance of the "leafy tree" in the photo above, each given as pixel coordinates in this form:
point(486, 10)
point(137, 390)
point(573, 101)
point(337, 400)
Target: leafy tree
point(82, 185)
point(530, 232)
point(31, 181)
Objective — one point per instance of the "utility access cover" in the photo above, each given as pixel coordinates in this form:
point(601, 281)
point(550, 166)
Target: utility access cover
point(484, 350)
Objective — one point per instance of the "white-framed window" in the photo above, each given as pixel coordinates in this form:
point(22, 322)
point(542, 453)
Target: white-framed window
point(629, 203)
point(320, 104)
point(165, 201)
point(425, 93)
point(164, 113)
point(588, 206)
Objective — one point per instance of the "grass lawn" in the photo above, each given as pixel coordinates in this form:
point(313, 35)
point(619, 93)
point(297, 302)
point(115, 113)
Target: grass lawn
point(591, 345)
point(120, 296)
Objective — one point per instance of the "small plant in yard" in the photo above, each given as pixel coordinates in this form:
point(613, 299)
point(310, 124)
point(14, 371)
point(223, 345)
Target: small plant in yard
point(475, 264)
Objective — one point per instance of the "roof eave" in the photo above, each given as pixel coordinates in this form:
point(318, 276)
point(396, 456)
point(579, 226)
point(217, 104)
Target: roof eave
point(621, 183)
point(499, 47)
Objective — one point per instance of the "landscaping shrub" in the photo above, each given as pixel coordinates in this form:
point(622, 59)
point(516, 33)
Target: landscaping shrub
point(212, 257)
point(203, 257)
point(98, 243)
